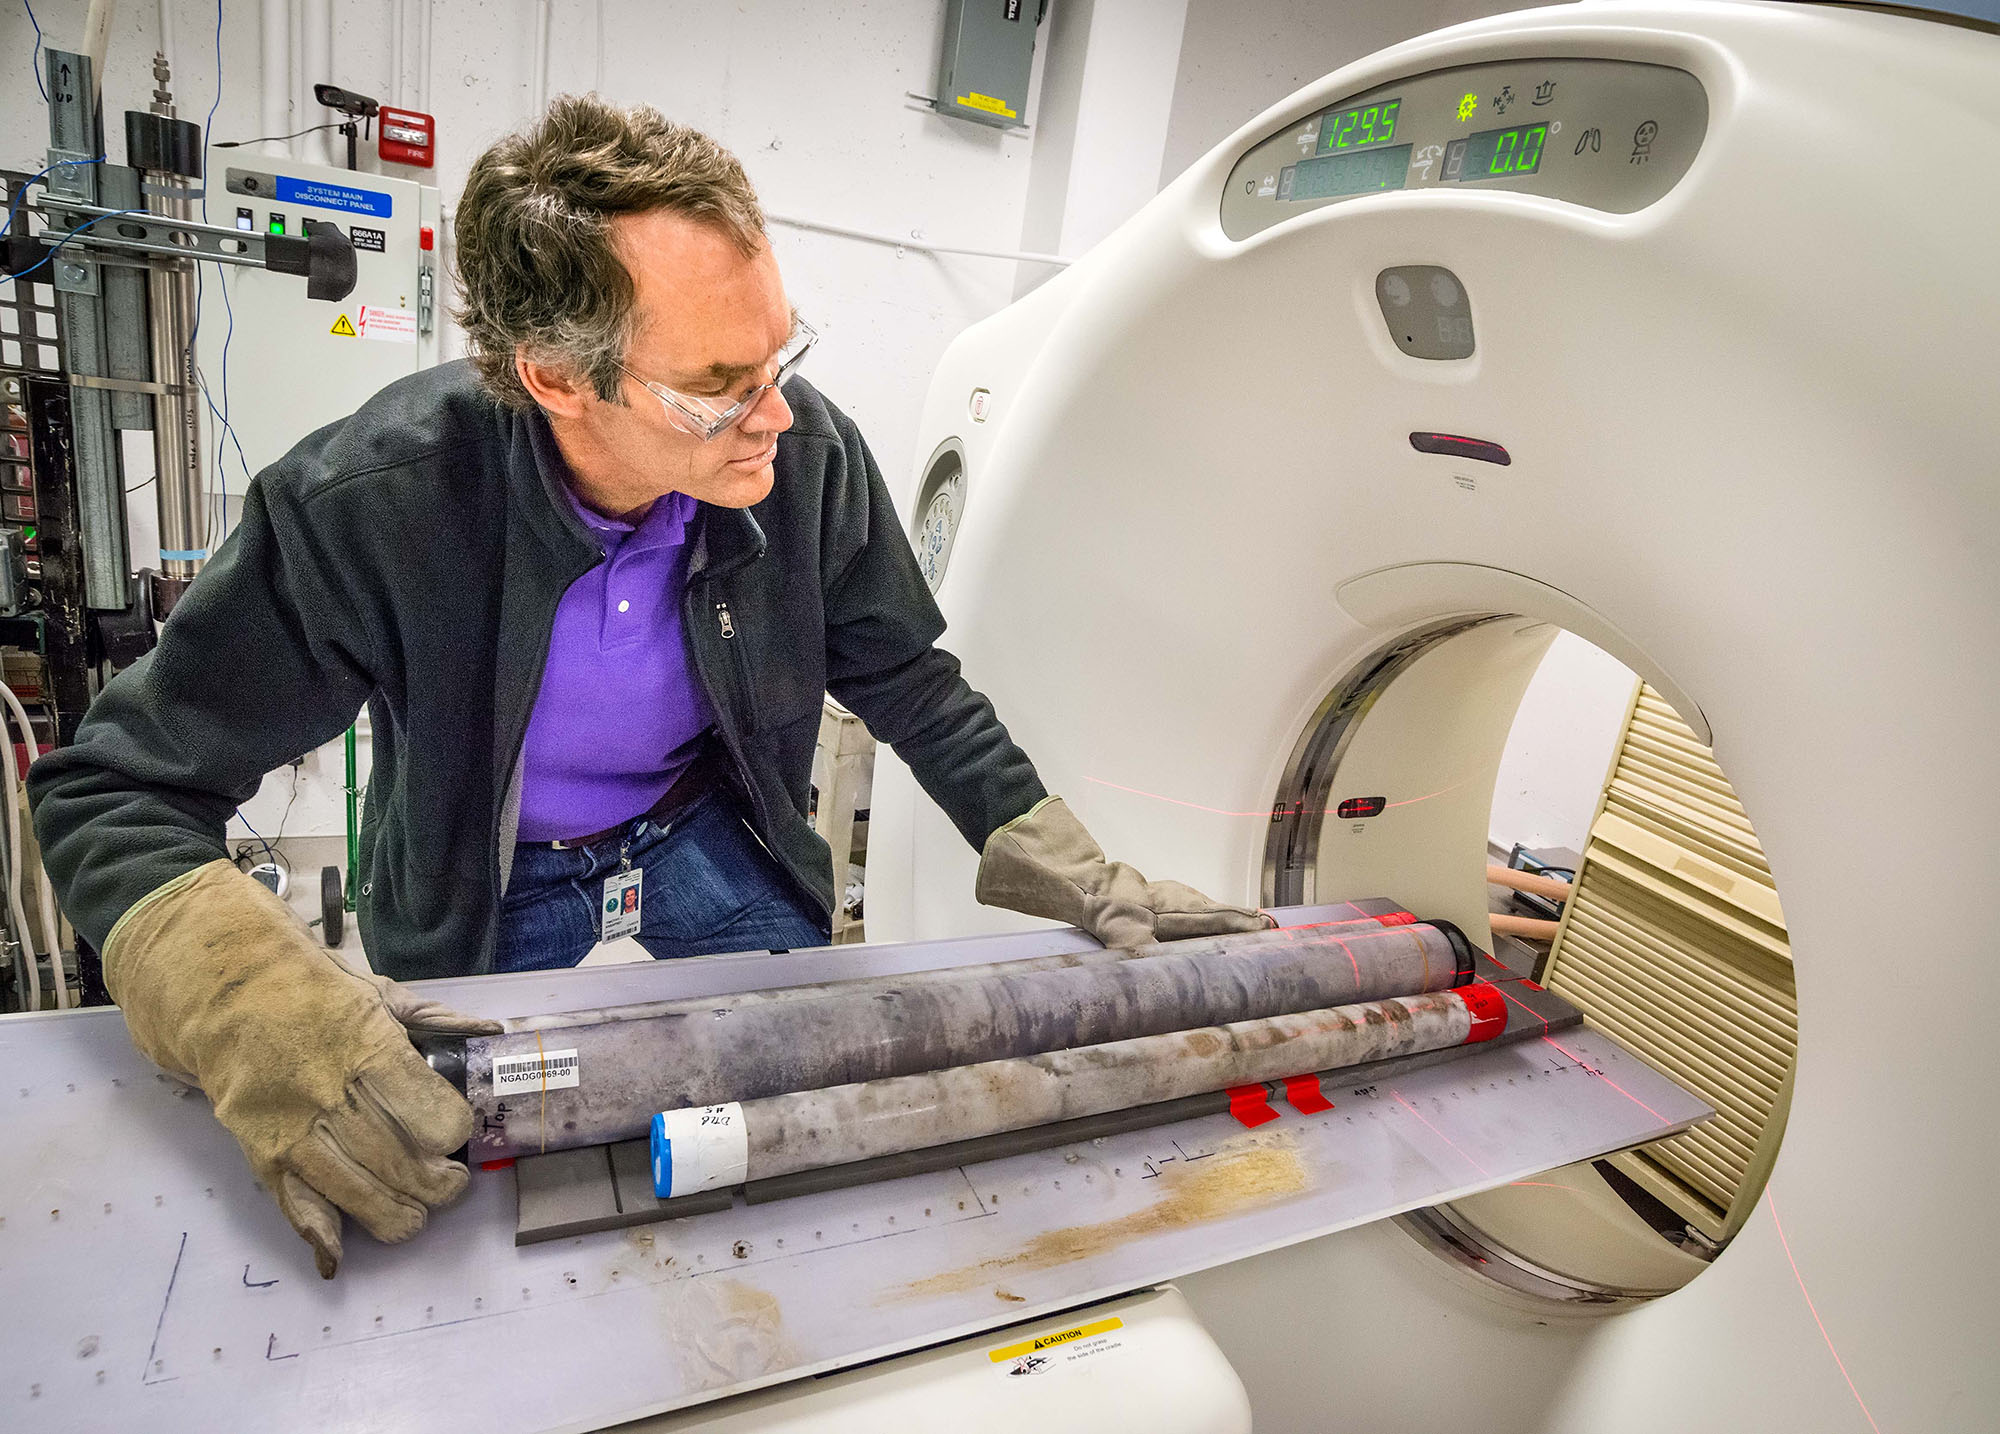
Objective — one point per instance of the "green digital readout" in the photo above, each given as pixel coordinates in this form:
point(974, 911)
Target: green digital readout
point(1493, 153)
point(1332, 175)
point(1344, 130)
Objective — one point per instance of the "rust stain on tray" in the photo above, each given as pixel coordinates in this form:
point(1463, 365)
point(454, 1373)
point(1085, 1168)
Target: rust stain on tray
point(1249, 1174)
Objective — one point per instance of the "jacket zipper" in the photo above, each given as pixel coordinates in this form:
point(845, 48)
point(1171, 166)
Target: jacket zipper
point(725, 624)
point(525, 715)
point(738, 664)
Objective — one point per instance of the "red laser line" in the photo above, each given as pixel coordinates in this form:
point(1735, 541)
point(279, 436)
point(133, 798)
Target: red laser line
point(1502, 989)
point(1412, 801)
point(1588, 1070)
point(1439, 1133)
point(1350, 961)
point(1176, 801)
point(1786, 1245)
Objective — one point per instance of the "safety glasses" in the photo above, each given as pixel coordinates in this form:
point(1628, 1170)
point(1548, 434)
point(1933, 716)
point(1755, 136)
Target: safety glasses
point(701, 416)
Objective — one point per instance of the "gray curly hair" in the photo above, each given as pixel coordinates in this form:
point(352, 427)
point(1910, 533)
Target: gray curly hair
point(538, 272)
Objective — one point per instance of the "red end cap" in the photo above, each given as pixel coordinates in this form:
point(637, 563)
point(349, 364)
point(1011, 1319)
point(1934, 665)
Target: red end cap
point(1489, 1011)
point(425, 239)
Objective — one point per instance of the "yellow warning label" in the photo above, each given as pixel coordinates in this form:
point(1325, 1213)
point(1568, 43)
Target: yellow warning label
point(1061, 1336)
point(342, 327)
point(992, 106)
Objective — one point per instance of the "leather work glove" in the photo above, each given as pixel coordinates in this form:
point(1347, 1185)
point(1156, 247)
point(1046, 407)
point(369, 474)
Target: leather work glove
point(308, 1065)
point(1045, 864)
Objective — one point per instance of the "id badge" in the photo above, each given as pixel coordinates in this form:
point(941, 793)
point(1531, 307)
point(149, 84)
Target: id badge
point(621, 903)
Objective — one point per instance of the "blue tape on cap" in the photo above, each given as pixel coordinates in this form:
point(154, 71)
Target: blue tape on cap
point(663, 1158)
point(188, 555)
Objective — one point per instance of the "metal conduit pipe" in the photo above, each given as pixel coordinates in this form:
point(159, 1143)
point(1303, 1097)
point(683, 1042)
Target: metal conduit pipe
point(426, 15)
point(168, 154)
point(274, 95)
point(538, 99)
point(615, 1075)
point(315, 67)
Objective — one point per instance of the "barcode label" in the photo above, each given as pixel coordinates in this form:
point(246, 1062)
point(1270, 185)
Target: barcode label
point(544, 1070)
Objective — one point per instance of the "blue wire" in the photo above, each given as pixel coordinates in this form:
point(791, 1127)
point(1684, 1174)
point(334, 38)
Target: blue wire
point(36, 59)
point(21, 198)
point(269, 855)
point(228, 429)
point(71, 234)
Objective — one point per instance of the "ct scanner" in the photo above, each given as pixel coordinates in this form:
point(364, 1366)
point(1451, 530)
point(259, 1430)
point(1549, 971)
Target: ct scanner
point(1734, 326)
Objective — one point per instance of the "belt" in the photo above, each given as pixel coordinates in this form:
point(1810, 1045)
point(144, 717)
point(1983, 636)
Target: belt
point(700, 777)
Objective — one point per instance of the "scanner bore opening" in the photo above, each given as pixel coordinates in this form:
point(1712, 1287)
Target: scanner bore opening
point(1422, 724)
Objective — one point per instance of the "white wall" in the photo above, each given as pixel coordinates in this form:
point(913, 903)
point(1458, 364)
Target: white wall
point(1560, 747)
point(811, 96)
point(1238, 57)
point(1101, 127)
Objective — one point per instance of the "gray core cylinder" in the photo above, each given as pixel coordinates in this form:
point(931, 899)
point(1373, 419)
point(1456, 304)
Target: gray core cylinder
point(626, 1070)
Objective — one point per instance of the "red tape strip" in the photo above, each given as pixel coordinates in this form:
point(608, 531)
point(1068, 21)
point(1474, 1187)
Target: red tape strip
point(1305, 1095)
point(1251, 1104)
point(1489, 1011)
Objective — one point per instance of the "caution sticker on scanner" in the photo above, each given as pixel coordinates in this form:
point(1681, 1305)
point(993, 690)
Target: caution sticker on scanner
point(1059, 1350)
point(544, 1070)
point(699, 1147)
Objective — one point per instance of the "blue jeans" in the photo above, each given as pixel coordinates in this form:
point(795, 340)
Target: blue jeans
point(710, 886)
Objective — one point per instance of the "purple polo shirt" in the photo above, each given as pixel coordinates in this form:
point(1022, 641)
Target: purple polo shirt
point(620, 705)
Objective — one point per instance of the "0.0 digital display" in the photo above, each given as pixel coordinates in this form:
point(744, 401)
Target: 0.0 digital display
point(1344, 130)
point(1494, 152)
point(1336, 174)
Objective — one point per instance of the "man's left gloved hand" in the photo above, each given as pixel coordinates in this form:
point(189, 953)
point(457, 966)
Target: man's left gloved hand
point(1046, 864)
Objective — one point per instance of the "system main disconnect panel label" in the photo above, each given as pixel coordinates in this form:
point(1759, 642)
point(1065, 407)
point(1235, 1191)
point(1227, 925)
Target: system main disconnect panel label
point(544, 1070)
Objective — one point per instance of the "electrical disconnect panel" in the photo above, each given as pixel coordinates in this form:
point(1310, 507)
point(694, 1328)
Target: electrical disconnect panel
point(989, 50)
point(296, 364)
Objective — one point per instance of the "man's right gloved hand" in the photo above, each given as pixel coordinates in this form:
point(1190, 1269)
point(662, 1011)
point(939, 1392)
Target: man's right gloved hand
point(308, 1065)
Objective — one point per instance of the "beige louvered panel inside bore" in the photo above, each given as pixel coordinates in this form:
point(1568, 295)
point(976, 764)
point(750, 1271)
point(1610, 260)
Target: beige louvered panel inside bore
point(1674, 943)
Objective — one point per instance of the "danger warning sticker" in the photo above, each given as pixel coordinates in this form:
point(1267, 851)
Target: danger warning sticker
point(396, 326)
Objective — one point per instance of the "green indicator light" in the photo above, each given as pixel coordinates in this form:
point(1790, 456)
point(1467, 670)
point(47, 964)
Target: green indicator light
point(27, 532)
point(1358, 128)
point(277, 223)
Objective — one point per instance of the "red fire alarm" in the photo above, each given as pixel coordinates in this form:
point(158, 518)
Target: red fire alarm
point(407, 137)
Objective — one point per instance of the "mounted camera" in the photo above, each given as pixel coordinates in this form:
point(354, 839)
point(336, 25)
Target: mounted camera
point(356, 107)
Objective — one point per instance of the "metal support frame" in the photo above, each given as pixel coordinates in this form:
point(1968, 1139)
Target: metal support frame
point(76, 133)
point(160, 234)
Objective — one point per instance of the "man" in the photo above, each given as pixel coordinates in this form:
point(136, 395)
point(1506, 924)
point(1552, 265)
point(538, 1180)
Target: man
point(591, 586)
